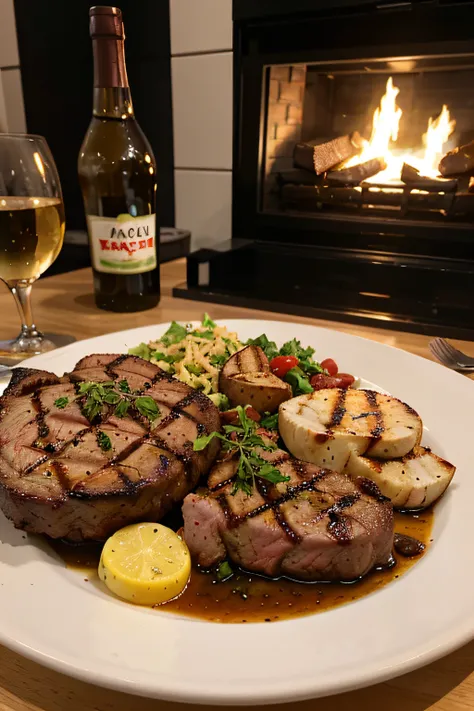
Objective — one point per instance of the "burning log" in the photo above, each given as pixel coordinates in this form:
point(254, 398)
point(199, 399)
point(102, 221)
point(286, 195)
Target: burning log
point(299, 177)
point(461, 160)
point(358, 173)
point(324, 156)
point(400, 202)
point(412, 177)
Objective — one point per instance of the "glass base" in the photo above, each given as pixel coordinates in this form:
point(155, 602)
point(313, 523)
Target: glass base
point(26, 345)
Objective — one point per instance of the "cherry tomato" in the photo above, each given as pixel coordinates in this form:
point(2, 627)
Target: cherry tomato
point(231, 417)
point(347, 378)
point(282, 364)
point(320, 381)
point(330, 365)
point(252, 413)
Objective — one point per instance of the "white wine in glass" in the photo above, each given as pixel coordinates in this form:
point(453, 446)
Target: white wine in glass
point(31, 230)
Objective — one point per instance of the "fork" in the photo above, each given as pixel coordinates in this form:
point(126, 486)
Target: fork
point(451, 357)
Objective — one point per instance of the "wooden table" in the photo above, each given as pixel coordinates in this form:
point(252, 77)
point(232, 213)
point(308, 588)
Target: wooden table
point(64, 305)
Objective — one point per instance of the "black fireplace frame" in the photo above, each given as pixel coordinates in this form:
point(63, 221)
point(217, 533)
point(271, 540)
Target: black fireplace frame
point(259, 41)
point(269, 32)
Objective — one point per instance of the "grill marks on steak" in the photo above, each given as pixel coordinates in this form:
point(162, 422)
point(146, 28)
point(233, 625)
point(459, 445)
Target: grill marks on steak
point(318, 526)
point(56, 479)
point(139, 373)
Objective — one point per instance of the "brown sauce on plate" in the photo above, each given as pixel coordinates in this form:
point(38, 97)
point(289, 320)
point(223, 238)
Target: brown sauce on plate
point(251, 598)
point(81, 557)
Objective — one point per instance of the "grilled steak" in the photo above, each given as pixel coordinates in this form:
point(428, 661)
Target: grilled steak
point(55, 478)
point(319, 525)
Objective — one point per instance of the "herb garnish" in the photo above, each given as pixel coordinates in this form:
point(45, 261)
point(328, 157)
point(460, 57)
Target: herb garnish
point(193, 369)
point(158, 355)
point(244, 445)
point(224, 571)
point(122, 408)
point(124, 386)
point(218, 360)
point(305, 356)
point(142, 351)
point(207, 322)
point(104, 441)
point(269, 422)
point(208, 335)
point(174, 334)
point(147, 407)
point(298, 381)
point(268, 347)
point(95, 395)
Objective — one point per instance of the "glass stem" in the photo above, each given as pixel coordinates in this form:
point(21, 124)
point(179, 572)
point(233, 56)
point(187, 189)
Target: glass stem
point(22, 295)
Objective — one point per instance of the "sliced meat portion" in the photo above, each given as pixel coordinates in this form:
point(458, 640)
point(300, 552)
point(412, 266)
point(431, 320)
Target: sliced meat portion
point(26, 380)
point(59, 425)
point(320, 525)
point(137, 372)
point(92, 368)
point(19, 433)
point(68, 478)
point(168, 391)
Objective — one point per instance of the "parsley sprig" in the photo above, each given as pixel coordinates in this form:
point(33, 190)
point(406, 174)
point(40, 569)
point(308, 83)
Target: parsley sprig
point(242, 440)
point(269, 422)
point(94, 396)
point(104, 441)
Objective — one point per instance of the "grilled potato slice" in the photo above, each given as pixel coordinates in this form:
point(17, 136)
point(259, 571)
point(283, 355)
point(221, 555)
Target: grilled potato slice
point(246, 380)
point(250, 359)
point(264, 391)
point(327, 426)
point(411, 482)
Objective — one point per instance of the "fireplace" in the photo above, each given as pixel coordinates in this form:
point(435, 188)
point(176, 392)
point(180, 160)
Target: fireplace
point(353, 178)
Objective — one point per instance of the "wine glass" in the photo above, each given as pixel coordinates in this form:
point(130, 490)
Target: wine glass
point(32, 228)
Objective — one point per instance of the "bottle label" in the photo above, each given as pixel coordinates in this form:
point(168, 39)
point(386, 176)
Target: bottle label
point(122, 244)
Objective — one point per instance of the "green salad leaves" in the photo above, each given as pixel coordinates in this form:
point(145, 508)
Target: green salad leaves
point(298, 377)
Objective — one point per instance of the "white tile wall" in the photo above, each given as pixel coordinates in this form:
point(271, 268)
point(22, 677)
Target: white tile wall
point(8, 43)
point(3, 109)
point(200, 25)
point(202, 111)
point(13, 98)
point(12, 112)
point(204, 205)
point(201, 36)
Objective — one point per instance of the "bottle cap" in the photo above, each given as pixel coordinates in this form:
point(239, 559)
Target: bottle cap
point(106, 21)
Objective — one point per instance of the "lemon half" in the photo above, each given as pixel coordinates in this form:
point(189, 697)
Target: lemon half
point(145, 563)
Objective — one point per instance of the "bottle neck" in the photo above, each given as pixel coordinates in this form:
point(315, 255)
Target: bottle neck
point(112, 98)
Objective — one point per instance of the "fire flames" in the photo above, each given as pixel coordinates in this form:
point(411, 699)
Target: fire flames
point(382, 143)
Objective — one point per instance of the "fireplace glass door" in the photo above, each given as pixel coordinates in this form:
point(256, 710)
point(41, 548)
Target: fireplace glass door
point(371, 139)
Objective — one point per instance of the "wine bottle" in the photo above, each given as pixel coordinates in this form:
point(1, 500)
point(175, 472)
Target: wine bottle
point(117, 173)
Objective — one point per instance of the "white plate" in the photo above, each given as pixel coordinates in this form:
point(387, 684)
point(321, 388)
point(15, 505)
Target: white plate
point(53, 616)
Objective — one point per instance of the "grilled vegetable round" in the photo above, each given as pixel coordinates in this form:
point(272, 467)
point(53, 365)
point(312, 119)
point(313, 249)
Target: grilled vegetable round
point(327, 426)
point(411, 482)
